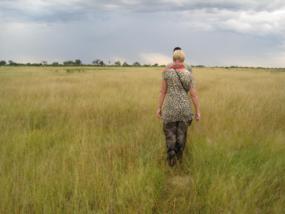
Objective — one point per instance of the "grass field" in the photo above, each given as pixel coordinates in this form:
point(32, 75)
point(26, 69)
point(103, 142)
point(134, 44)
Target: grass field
point(86, 140)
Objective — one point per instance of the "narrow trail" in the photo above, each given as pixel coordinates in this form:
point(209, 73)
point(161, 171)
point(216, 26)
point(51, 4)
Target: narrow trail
point(176, 193)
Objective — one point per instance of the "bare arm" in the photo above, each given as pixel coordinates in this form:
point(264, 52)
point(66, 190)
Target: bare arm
point(163, 90)
point(195, 99)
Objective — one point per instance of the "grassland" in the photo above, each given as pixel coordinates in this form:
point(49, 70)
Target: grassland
point(86, 140)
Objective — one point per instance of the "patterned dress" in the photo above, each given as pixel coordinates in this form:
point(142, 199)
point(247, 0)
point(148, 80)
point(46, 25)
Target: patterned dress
point(177, 104)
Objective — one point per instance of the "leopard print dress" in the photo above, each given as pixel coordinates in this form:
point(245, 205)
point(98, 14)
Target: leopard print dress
point(177, 105)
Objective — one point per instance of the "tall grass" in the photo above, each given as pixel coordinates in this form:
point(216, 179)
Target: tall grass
point(89, 142)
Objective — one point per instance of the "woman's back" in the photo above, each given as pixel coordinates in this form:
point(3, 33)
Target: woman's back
point(177, 106)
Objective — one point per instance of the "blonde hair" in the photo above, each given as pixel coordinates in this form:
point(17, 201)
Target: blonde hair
point(179, 55)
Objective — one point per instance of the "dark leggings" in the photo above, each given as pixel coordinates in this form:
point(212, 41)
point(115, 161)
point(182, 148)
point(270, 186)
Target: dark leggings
point(175, 136)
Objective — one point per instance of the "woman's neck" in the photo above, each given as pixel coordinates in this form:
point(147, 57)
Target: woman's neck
point(177, 65)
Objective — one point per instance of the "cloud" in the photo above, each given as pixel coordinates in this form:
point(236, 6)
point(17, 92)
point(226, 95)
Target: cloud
point(64, 10)
point(213, 32)
point(255, 22)
point(152, 58)
point(244, 16)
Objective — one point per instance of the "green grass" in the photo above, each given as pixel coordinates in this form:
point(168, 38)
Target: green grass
point(86, 140)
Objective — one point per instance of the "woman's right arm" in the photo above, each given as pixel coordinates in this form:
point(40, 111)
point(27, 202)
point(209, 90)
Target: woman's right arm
point(195, 100)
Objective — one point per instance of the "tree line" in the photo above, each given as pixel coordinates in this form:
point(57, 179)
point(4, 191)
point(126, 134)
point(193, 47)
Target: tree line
point(78, 62)
point(99, 62)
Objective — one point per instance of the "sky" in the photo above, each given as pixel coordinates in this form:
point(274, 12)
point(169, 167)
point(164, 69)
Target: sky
point(211, 32)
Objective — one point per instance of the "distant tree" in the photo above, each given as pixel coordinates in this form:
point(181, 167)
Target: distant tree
point(55, 63)
point(11, 62)
point(77, 62)
point(102, 63)
point(36, 64)
point(69, 62)
point(44, 62)
point(117, 63)
point(125, 64)
point(98, 62)
point(155, 65)
point(2, 62)
point(136, 64)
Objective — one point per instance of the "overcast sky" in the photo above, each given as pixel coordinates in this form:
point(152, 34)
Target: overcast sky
point(212, 32)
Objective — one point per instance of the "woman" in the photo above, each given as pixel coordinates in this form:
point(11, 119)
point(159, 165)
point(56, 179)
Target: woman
point(174, 106)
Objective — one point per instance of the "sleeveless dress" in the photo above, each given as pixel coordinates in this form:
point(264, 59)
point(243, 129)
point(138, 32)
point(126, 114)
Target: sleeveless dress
point(177, 105)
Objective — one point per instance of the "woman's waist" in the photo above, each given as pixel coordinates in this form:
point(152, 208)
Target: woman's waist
point(177, 96)
point(177, 103)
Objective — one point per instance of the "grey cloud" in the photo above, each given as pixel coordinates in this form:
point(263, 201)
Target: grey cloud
point(147, 35)
point(257, 23)
point(162, 5)
point(64, 10)
point(217, 32)
point(33, 11)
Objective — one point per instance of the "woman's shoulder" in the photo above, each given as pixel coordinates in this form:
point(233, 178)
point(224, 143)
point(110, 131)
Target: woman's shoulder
point(181, 67)
point(188, 66)
point(167, 67)
point(170, 64)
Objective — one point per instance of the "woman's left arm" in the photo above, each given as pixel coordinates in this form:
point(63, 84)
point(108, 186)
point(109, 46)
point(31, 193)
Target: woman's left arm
point(163, 90)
